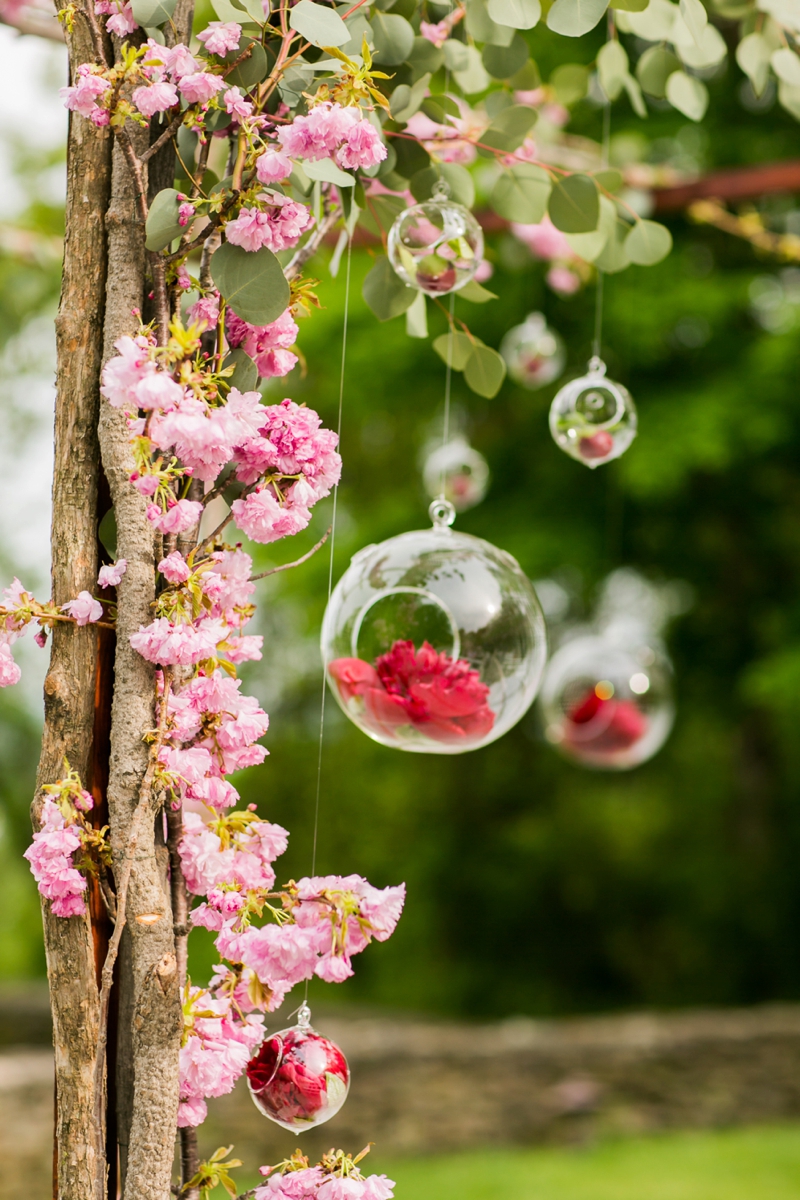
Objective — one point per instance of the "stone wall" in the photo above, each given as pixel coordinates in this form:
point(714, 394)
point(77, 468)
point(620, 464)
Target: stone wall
point(421, 1086)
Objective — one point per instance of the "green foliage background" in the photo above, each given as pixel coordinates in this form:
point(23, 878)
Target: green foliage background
point(534, 886)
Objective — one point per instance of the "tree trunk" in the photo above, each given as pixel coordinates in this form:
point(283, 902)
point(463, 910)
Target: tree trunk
point(69, 691)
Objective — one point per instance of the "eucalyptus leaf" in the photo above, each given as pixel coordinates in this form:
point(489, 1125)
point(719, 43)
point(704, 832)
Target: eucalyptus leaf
point(521, 194)
point(612, 68)
point(152, 13)
point(476, 293)
point(509, 129)
point(253, 9)
point(786, 66)
point(570, 82)
point(245, 374)
point(417, 317)
point(457, 345)
point(519, 14)
point(709, 50)
point(411, 157)
point(481, 28)
point(695, 16)
point(574, 206)
point(753, 56)
point(648, 242)
point(252, 69)
point(405, 100)
point(614, 257)
point(589, 246)
point(252, 283)
point(504, 61)
point(630, 5)
point(317, 24)
point(162, 221)
point(655, 23)
point(456, 55)
point(573, 18)
point(635, 96)
point(228, 12)
point(425, 58)
point(484, 371)
point(107, 532)
point(325, 170)
point(472, 77)
point(610, 179)
point(789, 98)
point(457, 178)
point(394, 38)
point(382, 213)
point(688, 95)
point(654, 69)
point(384, 291)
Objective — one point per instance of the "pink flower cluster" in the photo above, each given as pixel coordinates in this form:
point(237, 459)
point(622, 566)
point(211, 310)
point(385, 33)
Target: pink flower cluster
point(19, 610)
point(121, 20)
point(329, 131)
point(172, 71)
point(267, 345)
point(50, 858)
point(278, 225)
point(332, 918)
point(83, 96)
point(314, 1183)
point(221, 37)
point(216, 1048)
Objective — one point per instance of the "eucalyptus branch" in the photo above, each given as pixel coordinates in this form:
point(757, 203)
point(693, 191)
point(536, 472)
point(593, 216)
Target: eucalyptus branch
point(298, 561)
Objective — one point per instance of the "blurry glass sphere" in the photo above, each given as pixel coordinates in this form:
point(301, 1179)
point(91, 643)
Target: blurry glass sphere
point(457, 472)
point(298, 1078)
point(436, 246)
point(534, 353)
point(434, 641)
point(605, 705)
point(592, 418)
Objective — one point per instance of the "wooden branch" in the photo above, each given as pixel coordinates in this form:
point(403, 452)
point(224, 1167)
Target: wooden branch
point(738, 183)
point(298, 561)
point(69, 686)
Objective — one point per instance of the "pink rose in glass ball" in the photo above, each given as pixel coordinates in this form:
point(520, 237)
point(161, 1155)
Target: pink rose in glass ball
point(604, 725)
point(298, 1078)
point(598, 445)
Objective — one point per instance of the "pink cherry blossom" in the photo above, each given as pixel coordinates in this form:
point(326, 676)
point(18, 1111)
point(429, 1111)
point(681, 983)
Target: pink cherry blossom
point(50, 858)
point(436, 34)
point(155, 98)
point(175, 568)
point(111, 575)
point(319, 134)
point(84, 609)
point(544, 240)
point(267, 345)
point(83, 97)
point(157, 391)
point(362, 148)
point(180, 516)
point(237, 105)
point(122, 374)
point(167, 643)
point(205, 311)
point(277, 228)
point(563, 281)
point(221, 36)
point(9, 671)
point(200, 87)
point(265, 520)
point(273, 165)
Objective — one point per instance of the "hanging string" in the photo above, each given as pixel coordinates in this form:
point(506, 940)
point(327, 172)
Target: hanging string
point(598, 311)
point(447, 383)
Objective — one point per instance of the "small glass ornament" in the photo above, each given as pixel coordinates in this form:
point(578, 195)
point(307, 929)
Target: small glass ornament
point(607, 705)
point(533, 352)
point(457, 472)
point(436, 246)
point(592, 418)
point(434, 641)
point(298, 1078)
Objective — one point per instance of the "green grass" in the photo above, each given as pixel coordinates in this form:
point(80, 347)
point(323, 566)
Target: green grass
point(750, 1164)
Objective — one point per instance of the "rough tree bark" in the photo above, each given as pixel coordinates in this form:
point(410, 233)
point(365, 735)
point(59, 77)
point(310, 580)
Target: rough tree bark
point(69, 686)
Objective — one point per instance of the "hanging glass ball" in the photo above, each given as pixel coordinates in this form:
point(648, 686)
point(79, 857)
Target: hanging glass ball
point(458, 473)
point(592, 418)
point(434, 641)
point(607, 706)
point(298, 1078)
point(436, 246)
point(534, 353)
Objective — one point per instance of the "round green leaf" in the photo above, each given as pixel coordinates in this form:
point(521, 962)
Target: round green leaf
point(385, 292)
point(152, 13)
point(245, 374)
point(425, 58)
point(509, 129)
point(570, 83)
point(786, 66)
point(503, 61)
point(458, 179)
point(457, 345)
point(253, 284)
point(162, 221)
point(394, 38)
point(252, 69)
point(325, 170)
point(648, 242)
point(574, 206)
point(521, 194)
point(519, 14)
point(612, 68)
point(654, 69)
point(630, 5)
point(688, 95)
point(484, 371)
point(615, 255)
point(573, 18)
point(319, 25)
point(411, 157)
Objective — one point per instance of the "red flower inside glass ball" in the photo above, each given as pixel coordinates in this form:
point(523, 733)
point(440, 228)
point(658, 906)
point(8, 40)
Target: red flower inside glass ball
point(603, 725)
point(298, 1078)
point(439, 696)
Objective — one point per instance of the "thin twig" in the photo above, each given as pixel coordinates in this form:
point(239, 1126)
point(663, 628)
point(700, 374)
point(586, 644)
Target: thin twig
point(162, 139)
point(298, 562)
point(310, 248)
